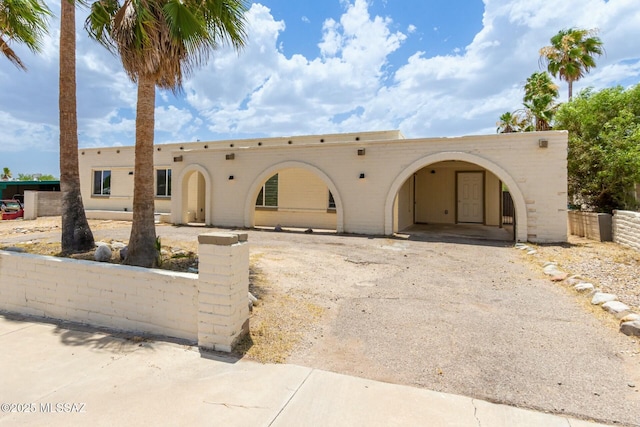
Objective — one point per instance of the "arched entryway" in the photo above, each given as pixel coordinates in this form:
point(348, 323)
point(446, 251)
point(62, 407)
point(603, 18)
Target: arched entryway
point(194, 202)
point(455, 188)
point(294, 194)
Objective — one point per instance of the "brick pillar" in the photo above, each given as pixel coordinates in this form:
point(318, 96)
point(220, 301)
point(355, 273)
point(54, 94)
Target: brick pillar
point(223, 276)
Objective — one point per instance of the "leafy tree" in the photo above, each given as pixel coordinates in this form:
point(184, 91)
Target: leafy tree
point(540, 94)
point(604, 147)
point(47, 177)
point(571, 54)
point(76, 234)
point(23, 21)
point(159, 42)
point(25, 177)
point(6, 174)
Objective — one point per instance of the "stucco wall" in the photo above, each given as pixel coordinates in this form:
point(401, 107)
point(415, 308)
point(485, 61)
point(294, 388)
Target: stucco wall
point(537, 177)
point(626, 228)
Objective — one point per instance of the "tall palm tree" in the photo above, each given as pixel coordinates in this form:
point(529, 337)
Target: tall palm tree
point(23, 21)
point(571, 54)
point(76, 234)
point(159, 42)
point(540, 94)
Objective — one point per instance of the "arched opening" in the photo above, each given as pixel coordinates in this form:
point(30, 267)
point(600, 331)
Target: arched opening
point(459, 194)
point(194, 200)
point(294, 195)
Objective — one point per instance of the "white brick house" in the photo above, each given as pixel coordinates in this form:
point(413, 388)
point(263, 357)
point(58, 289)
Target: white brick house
point(370, 183)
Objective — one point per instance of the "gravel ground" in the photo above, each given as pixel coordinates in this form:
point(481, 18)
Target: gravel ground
point(461, 316)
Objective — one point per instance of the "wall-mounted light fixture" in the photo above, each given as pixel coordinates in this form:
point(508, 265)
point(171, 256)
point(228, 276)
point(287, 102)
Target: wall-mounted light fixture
point(177, 159)
point(231, 178)
point(361, 151)
point(543, 143)
point(362, 176)
point(230, 156)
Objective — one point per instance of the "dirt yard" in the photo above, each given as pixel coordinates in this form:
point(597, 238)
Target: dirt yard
point(462, 316)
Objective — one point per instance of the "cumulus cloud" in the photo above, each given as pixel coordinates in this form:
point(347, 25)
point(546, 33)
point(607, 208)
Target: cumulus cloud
point(359, 78)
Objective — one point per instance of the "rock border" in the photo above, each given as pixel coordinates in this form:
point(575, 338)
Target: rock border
point(629, 320)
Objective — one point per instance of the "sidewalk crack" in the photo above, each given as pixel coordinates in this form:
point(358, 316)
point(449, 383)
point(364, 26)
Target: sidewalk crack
point(290, 398)
point(475, 412)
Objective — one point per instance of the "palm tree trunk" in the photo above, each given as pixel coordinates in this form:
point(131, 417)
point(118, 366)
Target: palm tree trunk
point(76, 234)
point(142, 250)
point(570, 89)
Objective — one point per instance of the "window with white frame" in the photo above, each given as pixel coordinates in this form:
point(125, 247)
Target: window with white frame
point(163, 182)
point(268, 196)
point(101, 183)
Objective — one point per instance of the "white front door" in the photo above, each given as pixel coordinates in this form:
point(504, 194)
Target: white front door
point(471, 197)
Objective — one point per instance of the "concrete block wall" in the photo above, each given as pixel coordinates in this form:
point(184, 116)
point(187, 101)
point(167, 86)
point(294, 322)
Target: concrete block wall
point(209, 309)
point(626, 228)
point(592, 225)
point(42, 203)
point(223, 311)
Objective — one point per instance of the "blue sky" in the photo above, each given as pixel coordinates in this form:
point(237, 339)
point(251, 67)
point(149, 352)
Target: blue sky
point(428, 68)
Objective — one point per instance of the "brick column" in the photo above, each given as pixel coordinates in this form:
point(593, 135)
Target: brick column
point(223, 276)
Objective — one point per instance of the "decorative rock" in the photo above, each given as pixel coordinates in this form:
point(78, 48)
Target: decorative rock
point(630, 317)
point(559, 277)
point(116, 246)
point(615, 307)
point(548, 263)
point(583, 287)
point(103, 253)
point(252, 298)
point(532, 252)
point(278, 228)
point(14, 249)
point(521, 246)
point(551, 270)
point(631, 328)
point(123, 253)
point(98, 244)
point(308, 230)
point(192, 270)
point(601, 298)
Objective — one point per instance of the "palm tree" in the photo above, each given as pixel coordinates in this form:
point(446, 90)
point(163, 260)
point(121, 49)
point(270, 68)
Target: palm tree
point(507, 123)
point(540, 94)
point(6, 174)
point(571, 54)
point(76, 234)
point(518, 121)
point(159, 42)
point(24, 21)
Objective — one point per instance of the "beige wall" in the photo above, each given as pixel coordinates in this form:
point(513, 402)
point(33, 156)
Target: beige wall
point(303, 201)
point(536, 177)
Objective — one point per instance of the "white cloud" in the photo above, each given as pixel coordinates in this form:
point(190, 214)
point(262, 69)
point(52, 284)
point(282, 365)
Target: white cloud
point(360, 78)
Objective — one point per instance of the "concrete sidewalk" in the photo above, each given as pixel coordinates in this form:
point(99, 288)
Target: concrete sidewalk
point(66, 375)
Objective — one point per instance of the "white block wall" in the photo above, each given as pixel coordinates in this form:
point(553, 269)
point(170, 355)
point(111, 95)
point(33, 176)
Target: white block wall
point(626, 228)
point(109, 295)
point(210, 309)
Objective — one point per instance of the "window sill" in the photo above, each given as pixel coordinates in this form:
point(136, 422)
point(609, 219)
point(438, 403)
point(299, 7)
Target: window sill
point(101, 196)
point(266, 208)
